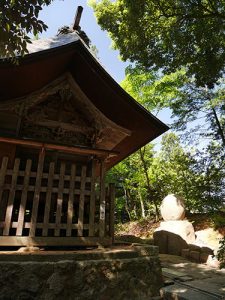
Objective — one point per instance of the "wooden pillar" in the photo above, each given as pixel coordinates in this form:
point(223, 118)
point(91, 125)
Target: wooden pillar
point(102, 200)
point(37, 190)
point(92, 200)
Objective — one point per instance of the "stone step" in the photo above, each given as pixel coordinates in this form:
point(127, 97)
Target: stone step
point(180, 291)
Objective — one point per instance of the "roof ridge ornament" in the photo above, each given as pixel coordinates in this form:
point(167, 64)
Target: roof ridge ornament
point(76, 27)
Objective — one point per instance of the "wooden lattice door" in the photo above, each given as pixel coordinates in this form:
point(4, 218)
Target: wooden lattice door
point(65, 205)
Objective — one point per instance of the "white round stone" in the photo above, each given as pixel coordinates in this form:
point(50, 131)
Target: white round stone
point(172, 208)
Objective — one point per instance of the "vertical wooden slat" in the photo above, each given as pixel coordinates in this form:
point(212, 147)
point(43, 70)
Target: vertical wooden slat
point(70, 201)
point(48, 198)
point(60, 199)
point(12, 191)
point(92, 201)
point(112, 208)
point(37, 193)
point(24, 198)
point(102, 201)
point(81, 202)
point(2, 180)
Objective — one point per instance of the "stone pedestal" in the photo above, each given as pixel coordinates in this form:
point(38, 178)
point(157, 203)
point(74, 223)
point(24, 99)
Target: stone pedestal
point(174, 233)
point(173, 236)
point(182, 228)
point(119, 273)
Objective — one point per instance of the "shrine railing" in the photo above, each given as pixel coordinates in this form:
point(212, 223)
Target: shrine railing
point(65, 205)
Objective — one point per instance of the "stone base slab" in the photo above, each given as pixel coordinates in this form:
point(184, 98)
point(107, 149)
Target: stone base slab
point(130, 273)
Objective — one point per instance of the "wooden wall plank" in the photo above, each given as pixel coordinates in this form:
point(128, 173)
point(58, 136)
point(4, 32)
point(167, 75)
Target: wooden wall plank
point(54, 241)
point(50, 225)
point(60, 199)
point(37, 193)
point(70, 201)
point(44, 189)
point(92, 200)
point(81, 202)
point(48, 198)
point(102, 200)
point(12, 191)
point(3, 171)
point(24, 198)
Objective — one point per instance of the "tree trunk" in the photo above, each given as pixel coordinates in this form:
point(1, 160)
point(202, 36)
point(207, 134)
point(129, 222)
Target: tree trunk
point(149, 189)
point(126, 203)
point(220, 130)
point(143, 215)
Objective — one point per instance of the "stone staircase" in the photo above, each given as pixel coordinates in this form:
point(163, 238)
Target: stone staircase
point(186, 280)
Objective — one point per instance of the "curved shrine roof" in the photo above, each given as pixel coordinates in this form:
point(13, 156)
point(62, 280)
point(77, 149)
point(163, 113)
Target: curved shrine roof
point(48, 59)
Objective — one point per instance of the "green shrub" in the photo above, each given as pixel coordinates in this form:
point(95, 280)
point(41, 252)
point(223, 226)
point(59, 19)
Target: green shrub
point(218, 220)
point(221, 253)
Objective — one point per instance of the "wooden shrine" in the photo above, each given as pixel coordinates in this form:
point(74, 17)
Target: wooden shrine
point(63, 123)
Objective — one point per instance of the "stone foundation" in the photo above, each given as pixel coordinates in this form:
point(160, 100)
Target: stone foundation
point(129, 272)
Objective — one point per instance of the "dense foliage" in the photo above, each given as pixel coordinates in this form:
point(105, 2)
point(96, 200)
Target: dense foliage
point(221, 253)
point(190, 105)
point(146, 177)
point(198, 174)
point(168, 34)
point(17, 20)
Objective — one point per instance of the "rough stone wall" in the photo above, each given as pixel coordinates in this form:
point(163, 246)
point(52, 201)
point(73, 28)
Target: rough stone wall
point(120, 279)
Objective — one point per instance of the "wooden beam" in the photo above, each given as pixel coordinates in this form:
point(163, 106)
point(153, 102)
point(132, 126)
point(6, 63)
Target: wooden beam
point(54, 241)
point(77, 18)
point(74, 150)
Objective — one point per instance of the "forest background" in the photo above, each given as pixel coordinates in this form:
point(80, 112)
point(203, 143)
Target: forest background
point(176, 52)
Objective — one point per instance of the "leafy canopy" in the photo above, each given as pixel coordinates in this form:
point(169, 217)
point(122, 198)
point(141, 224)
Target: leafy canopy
point(192, 107)
point(17, 20)
point(168, 34)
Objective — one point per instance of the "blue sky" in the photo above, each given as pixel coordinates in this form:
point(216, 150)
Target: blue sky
point(61, 13)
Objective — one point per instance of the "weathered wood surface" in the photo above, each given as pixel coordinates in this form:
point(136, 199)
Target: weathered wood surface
point(24, 198)
point(3, 171)
point(68, 193)
point(60, 199)
point(81, 202)
point(37, 191)
point(48, 199)
point(54, 241)
point(102, 201)
point(92, 200)
point(67, 149)
point(70, 210)
point(12, 191)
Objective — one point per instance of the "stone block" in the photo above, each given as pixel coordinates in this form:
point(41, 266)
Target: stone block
point(185, 253)
point(195, 256)
point(161, 240)
point(146, 250)
point(136, 278)
point(193, 247)
point(207, 250)
point(175, 244)
point(182, 228)
point(204, 257)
